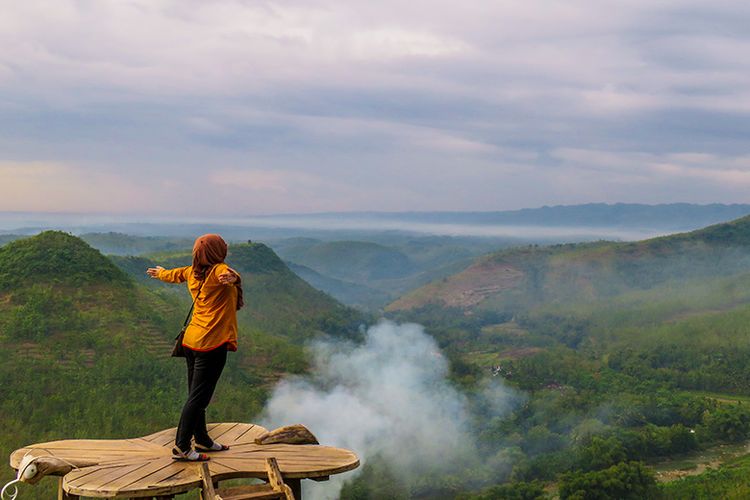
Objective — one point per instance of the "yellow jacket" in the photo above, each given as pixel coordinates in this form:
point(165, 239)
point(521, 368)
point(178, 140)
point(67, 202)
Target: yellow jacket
point(214, 321)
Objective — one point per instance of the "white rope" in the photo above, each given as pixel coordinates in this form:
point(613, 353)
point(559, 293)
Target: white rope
point(11, 496)
point(14, 494)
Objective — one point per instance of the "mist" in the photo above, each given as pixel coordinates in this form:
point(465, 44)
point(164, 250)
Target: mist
point(388, 397)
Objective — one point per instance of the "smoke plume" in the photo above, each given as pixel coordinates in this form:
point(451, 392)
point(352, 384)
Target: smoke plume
point(389, 397)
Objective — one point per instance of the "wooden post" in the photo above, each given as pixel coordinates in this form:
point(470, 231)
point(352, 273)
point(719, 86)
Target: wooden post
point(208, 492)
point(62, 494)
point(296, 486)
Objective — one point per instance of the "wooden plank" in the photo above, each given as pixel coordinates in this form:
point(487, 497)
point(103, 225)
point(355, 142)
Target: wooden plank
point(165, 438)
point(76, 476)
point(164, 475)
point(103, 478)
point(141, 475)
point(217, 467)
point(233, 435)
point(274, 474)
point(249, 489)
point(208, 493)
point(62, 494)
point(295, 487)
point(219, 430)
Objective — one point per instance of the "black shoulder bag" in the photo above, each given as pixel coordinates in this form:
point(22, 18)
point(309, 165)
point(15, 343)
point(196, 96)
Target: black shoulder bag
point(178, 351)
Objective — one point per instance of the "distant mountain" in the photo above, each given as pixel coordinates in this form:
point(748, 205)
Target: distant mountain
point(521, 278)
point(126, 244)
point(349, 293)
point(368, 274)
point(673, 216)
point(357, 261)
point(625, 219)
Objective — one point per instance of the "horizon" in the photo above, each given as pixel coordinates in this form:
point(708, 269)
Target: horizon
point(366, 212)
point(562, 223)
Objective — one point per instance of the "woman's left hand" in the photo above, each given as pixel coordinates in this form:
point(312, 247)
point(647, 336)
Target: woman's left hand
point(228, 278)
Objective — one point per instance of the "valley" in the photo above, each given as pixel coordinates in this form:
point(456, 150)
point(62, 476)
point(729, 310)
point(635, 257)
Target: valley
point(612, 361)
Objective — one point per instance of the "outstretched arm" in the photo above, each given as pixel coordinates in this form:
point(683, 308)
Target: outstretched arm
point(177, 275)
point(229, 277)
point(154, 271)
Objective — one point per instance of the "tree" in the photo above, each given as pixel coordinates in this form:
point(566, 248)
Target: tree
point(626, 480)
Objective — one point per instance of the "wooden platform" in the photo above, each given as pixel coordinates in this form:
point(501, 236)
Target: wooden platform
point(143, 467)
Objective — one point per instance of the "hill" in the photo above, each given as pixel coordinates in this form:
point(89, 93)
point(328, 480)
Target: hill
point(625, 352)
point(277, 301)
point(522, 278)
point(85, 347)
point(354, 294)
point(369, 274)
point(355, 261)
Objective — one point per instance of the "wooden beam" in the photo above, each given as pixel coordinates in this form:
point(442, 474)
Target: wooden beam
point(208, 492)
point(276, 480)
point(62, 494)
point(295, 487)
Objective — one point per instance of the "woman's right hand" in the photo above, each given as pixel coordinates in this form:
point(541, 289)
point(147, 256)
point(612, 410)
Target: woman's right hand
point(154, 271)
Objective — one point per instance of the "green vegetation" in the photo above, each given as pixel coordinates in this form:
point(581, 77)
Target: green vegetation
point(621, 355)
point(730, 481)
point(576, 273)
point(55, 257)
point(620, 349)
point(369, 274)
point(86, 348)
point(619, 482)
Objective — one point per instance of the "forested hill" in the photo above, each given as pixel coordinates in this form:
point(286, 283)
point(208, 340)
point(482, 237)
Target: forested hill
point(55, 257)
point(524, 277)
point(626, 352)
point(85, 347)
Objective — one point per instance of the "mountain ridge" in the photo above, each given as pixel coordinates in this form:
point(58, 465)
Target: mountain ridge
point(585, 271)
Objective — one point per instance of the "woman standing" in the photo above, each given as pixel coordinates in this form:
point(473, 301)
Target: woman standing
point(217, 291)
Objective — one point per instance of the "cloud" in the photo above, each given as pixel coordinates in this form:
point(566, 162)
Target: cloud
point(54, 187)
point(430, 105)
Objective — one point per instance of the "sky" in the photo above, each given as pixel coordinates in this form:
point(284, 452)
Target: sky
point(227, 108)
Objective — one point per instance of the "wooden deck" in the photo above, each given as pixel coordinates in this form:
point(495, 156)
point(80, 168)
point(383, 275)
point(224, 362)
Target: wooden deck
point(143, 467)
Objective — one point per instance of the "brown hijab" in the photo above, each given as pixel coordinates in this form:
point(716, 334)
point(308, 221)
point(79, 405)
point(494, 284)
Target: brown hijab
point(209, 250)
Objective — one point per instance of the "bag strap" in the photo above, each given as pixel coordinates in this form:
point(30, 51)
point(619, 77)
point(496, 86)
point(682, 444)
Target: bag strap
point(192, 306)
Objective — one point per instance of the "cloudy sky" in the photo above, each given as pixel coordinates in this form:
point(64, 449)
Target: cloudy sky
point(252, 107)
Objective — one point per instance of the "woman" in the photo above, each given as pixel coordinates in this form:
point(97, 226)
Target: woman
point(217, 291)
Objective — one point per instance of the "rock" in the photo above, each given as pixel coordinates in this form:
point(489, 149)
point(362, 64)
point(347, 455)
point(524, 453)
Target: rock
point(289, 434)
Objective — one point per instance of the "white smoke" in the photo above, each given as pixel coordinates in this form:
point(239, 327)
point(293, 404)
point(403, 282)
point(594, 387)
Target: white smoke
point(388, 396)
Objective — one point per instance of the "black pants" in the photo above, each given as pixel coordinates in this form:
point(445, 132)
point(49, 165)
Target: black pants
point(204, 370)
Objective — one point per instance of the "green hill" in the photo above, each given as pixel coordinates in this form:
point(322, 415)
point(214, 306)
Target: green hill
point(355, 261)
point(354, 294)
point(55, 257)
point(369, 274)
point(85, 347)
point(523, 278)
point(624, 351)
